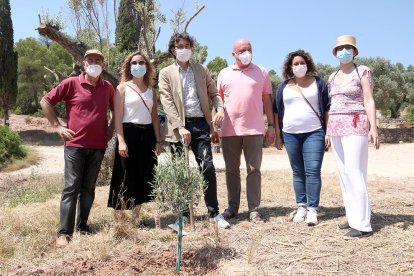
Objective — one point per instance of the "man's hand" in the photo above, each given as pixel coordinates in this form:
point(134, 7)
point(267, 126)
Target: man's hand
point(65, 133)
point(215, 137)
point(185, 135)
point(270, 136)
point(218, 118)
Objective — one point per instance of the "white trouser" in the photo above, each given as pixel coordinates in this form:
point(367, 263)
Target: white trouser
point(351, 153)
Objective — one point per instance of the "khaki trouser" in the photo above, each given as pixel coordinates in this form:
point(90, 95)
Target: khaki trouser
point(252, 147)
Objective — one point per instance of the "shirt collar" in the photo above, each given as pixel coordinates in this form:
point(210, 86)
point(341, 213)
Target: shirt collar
point(83, 80)
point(233, 66)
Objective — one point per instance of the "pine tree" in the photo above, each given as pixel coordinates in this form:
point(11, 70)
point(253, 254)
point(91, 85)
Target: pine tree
point(8, 61)
point(128, 28)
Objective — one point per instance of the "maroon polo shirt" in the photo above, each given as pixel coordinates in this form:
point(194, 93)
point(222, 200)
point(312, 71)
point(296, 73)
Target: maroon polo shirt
point(86, 110)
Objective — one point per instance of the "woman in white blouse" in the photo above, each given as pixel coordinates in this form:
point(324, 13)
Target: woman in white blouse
point(138, 136)
point(300, 108)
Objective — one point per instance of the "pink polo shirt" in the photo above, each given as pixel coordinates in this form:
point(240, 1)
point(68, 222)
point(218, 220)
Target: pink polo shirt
point(242, 91)
point(86, 110)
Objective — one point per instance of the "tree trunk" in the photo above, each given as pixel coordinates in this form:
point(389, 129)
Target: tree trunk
point(75, 49)
point(5, 106)
point(36, 100)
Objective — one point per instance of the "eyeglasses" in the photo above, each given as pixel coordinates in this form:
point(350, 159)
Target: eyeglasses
point(340, 48)
point(180, 46)
point(141, 62)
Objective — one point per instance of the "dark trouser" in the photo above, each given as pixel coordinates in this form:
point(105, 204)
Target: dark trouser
point(201, 146)
point(81, 171)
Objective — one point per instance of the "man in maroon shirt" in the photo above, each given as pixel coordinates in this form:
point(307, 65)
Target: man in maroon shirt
point(87, 98)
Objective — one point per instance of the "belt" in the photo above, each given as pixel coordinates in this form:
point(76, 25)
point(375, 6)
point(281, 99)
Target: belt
point(194, 119)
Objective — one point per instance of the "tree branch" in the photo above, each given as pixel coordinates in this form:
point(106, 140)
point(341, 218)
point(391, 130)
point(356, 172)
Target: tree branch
point(192, 17)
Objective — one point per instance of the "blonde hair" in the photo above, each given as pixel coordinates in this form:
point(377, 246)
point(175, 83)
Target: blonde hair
point(126, 69)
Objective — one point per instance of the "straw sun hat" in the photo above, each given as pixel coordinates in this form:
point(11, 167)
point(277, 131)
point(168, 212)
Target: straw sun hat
point(345, 40)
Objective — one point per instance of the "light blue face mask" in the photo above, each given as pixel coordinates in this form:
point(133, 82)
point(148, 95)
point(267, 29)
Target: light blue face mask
point(138, 70)
point(345, 56)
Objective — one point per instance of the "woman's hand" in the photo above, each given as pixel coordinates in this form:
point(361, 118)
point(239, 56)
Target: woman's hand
point(123, 150)
point(373, 137)
point(327, 142)
point(278, 142)
point(158, 148)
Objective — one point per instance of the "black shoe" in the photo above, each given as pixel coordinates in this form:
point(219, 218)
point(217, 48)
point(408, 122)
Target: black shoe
point(84, 230)
point(357, 234)
point(344, 226)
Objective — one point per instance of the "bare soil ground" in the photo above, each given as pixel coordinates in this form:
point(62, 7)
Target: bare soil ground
point(278, 247)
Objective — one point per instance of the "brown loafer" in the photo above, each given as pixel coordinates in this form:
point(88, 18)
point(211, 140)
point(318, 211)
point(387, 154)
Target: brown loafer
point(62, 241)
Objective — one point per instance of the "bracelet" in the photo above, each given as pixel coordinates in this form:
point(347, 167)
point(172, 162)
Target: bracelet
point(270, 125)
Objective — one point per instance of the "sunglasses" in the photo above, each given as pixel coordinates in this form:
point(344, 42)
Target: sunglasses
point(141, 62)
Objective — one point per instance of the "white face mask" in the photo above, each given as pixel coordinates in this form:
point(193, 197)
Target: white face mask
point(94, 70)
point(245, 57)
point(183, 55)
point(299, 70)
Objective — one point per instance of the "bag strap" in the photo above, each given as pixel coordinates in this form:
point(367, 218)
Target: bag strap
point(139, 94)
point(306, 100)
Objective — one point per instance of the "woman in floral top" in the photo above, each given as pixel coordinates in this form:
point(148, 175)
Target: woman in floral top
point(351, 125)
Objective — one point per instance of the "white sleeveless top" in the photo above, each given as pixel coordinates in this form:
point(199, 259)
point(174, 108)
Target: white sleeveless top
point(299, 117)
point(134, 109)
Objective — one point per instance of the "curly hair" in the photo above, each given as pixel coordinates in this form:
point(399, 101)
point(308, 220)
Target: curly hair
point(126, 69)
point(176, 37)
point(287, 65)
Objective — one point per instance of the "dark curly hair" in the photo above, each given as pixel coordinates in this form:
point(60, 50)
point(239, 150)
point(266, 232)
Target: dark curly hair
point(126, 69)
point(176, 37)
point(287, 65)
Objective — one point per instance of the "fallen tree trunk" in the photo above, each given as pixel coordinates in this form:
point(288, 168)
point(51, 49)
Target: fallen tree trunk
point(75, 49)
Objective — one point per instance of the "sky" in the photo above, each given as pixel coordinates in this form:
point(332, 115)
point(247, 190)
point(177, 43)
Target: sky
point(275, 28)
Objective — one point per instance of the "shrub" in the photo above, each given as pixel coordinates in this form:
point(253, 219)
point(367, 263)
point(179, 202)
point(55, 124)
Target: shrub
point(410, 113)
point(10, 146)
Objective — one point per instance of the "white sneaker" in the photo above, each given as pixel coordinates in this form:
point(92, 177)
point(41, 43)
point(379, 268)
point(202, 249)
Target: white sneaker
point(221, 222)
point(300, 214)
point(312, 217)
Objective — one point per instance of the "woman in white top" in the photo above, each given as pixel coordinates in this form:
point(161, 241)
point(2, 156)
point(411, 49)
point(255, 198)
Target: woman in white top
point(300, 108)
point(138, 136)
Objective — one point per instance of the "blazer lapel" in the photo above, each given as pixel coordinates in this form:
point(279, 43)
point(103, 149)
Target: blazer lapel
point(175, 77)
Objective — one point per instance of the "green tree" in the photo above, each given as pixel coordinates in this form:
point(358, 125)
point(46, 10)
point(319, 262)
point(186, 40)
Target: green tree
point(8, 61)
point(216, 65)
point(325, 70)
point(128, 28)
point(40, 69)
point(391, 84)
point(275, 80)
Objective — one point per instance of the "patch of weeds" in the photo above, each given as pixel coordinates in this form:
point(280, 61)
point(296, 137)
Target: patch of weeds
point(167, 238)
point(38, 190)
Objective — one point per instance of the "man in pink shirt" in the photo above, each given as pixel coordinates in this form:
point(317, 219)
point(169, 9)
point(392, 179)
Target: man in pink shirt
point(87, 98)
point(246, 90)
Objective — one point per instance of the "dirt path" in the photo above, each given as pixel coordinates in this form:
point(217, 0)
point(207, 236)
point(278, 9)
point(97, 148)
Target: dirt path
point(392, 160)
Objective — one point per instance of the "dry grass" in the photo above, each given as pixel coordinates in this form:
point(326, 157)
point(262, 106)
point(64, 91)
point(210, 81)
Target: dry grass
point(31, 158)
point(276, 247)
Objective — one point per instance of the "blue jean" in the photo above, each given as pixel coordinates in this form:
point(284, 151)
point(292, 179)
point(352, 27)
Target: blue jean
point(201, 146)
point(305, 151)
point(82, 166)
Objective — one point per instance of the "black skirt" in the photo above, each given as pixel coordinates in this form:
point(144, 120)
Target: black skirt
point(131, 177)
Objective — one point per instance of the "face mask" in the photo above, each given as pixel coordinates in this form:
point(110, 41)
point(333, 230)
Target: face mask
point(345, 56)
point(245, 57)
point(183, 55)
point(94, 70)
point(138, 70)
point(300, 70)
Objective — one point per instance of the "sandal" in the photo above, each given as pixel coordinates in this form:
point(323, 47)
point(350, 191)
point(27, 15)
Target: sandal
point(255, 217)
